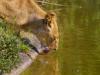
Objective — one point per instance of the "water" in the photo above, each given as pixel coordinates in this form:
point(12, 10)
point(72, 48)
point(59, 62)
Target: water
point(79, 25)
point(79, 52)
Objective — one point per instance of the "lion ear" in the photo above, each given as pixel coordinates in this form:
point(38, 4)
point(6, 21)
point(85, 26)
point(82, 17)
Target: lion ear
point(50, 14)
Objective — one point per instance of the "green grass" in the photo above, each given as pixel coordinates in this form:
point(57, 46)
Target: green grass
point(10, 46)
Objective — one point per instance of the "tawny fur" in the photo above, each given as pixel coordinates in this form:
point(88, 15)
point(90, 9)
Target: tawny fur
point(20, 11)
point(28, 16)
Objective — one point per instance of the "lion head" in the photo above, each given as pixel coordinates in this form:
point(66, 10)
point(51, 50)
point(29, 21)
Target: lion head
point(53, 30)
point(31, 18)
point(46, 30)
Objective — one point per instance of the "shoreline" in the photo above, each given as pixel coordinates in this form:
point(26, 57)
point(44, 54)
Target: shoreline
point(26, 61)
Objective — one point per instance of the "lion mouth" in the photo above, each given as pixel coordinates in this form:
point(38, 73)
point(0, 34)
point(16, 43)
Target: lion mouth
point(35, 45)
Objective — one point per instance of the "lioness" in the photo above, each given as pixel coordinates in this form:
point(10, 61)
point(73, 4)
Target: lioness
point(28, 17)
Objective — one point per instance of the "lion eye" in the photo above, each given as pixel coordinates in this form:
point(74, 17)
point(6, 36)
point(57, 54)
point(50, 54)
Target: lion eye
point(45, 21)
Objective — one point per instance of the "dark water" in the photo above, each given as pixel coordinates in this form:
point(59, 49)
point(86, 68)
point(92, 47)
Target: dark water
point(79, 24)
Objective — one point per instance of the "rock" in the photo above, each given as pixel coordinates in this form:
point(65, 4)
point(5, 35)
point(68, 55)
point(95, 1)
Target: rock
point(26, 61)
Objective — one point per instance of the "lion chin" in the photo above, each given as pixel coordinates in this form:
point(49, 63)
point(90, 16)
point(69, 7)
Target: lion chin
point(37, 27)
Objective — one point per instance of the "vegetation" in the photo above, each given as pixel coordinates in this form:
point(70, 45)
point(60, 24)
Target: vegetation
point(10, 46)
point(79, 52)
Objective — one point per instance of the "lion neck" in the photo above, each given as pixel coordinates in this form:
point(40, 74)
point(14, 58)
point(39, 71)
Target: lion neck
point(37, 22)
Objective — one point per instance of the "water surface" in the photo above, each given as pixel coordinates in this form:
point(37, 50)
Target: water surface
point(79, 25)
